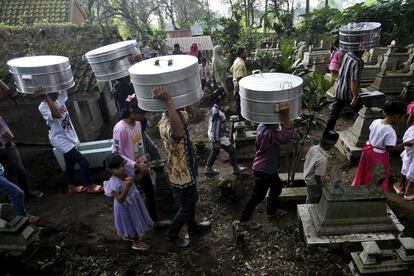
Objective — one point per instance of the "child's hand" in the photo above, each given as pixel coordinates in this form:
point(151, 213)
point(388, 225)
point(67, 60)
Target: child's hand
point(160, 93)
point(142, 167)
point(40, 92)
point(284, 107)
point(135, 57)
point(409, 143)
point(129, 181)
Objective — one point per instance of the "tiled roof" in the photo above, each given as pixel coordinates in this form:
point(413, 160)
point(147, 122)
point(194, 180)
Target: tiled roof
point(17, 12)
point(204, 42)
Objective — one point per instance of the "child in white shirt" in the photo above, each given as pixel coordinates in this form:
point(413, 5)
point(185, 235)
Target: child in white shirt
point(63, 137)
point(382, 141)
point(316, 161)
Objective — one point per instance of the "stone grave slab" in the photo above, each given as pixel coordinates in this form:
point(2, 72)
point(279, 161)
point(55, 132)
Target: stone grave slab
point(313, 239)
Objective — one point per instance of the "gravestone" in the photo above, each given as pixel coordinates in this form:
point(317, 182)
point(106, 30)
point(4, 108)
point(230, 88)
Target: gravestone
point(345, 209)
point(390, 80)
point(15, 232)
point(352, 140)
point(373, 260)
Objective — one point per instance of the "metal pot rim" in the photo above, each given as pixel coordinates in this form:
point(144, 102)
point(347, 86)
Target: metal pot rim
point(110, 49)
point(274, 80)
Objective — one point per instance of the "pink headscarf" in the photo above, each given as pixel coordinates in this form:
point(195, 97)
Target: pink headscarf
point(194, 50)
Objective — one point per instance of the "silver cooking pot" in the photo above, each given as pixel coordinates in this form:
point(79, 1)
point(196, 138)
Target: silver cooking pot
point(112, 61)
point(359, 36)
point(178, 73)
point(51, 72)
point(261, 94)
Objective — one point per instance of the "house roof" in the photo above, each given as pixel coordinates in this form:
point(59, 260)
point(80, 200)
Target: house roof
point(17, 12)
point(204, 42)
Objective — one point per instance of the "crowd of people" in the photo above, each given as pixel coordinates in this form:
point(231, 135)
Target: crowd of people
point(129, 164)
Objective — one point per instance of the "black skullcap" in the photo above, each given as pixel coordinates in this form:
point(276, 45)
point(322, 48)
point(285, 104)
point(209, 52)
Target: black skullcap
point(330, 137)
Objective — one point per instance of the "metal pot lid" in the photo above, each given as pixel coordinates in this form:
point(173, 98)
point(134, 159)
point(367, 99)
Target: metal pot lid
point(360, 27)
point(270, 82)
point(162, 65)
point(111, 48)
point(38, 64)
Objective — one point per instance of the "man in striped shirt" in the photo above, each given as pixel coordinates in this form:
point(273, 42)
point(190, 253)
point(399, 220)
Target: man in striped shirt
point(347, 87)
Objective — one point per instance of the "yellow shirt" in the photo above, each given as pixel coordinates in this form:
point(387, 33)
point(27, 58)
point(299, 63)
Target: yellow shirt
point(180, 170)
point(238, 69)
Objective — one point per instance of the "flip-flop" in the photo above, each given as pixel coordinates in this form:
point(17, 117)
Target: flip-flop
point(212, 173)
point(77, 189)
point(141, 246)
point(241, 171)
point(96, 189)
point(397, 191)
point(251, 225)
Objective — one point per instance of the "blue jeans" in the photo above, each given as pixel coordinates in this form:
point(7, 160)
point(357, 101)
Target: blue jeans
point(186, 214)
point(72, 158)
point(215, 152)
point(15, 194)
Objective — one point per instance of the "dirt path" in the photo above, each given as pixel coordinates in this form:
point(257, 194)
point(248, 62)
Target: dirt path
point(78, 235)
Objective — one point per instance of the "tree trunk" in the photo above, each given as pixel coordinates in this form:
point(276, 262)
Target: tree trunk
point(307, 6)
point(246, 12)
point(326, 3)
point(265, 17)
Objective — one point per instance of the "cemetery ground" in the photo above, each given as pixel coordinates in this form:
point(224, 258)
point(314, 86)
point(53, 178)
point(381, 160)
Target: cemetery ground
point(78, 235)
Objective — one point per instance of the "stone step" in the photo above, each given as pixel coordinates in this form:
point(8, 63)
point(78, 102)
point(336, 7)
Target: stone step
point(293, 194)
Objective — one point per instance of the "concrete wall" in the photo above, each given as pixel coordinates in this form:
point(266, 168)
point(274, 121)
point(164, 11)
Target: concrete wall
point(29, 127)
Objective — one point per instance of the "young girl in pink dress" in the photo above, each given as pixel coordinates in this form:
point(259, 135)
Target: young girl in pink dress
point(407, 156)
point(382, 141)
point(130, 214)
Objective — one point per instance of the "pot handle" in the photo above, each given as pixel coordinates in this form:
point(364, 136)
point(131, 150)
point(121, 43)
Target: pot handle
point(255, 72)
point(288, 83)
point(157, 62)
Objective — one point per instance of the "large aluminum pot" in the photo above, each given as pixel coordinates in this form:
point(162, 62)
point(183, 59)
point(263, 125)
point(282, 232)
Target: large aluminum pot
point(112, 61)
point(178, 73)
point(260, 95)
point(359, 36)
point(51, 72)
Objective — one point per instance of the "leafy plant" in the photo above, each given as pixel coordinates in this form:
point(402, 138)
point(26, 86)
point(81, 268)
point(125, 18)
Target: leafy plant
point(314, 100)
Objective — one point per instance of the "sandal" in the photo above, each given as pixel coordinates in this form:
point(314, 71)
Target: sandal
point(77, 189)
point(140, 246)
point(251, 225)
point(127, 239)
point(278, 213)
point(212, 172)
point(95, 189)
point(33, 219)
point(409, 198)
point(397, 190)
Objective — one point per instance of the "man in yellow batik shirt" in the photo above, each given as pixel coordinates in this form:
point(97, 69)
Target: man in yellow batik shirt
point(239, 71)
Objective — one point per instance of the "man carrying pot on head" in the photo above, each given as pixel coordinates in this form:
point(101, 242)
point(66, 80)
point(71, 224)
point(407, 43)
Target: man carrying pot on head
point(9, 155)
point(239, 71)
point(181, 167)
point(346, 90)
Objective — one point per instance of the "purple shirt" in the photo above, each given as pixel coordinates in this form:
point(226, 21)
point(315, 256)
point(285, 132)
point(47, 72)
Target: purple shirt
point(268, 140)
